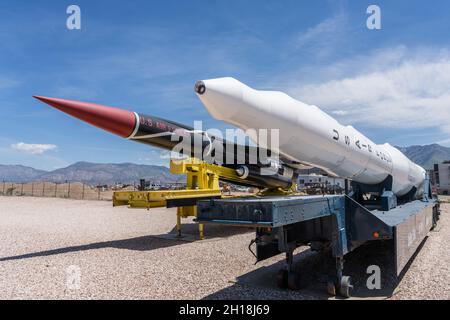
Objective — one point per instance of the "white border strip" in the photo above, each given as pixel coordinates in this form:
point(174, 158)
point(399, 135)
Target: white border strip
point(136, 127)
point(149, 136)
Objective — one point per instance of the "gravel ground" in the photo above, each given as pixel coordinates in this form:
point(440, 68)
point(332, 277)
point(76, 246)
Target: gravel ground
point(68, 249)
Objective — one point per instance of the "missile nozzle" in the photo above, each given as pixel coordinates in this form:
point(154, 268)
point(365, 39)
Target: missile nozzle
point(200, 87)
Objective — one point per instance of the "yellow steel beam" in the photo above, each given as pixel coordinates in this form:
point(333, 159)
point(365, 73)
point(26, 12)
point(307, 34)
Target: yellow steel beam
point(202, 181)
point(152, 199)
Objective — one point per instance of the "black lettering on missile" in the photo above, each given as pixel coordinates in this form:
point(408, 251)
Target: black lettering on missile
point(347, 140)
point(146, 121)
point(370, 148)
point(336, 135)
point(161, 125)
point(358, 144)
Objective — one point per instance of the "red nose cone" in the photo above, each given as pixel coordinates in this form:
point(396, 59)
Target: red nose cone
point(114, 120)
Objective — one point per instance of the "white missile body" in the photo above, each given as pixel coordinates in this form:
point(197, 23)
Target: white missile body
point(310, 136)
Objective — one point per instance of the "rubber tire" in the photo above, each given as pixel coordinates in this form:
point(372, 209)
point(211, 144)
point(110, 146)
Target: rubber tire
point(345, 288)
point(282, 279)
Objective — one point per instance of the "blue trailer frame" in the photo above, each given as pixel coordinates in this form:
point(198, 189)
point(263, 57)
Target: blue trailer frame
point(284, 223)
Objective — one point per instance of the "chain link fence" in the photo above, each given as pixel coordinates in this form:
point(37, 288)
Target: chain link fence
point(69, 190)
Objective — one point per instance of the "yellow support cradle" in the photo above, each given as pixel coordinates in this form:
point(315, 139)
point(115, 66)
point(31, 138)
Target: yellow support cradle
point(202, 181)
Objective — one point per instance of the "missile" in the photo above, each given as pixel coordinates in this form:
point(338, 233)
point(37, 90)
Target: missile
point(167, 135)
point(310, 136)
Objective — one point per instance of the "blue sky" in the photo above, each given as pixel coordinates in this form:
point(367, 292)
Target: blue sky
point(392, 84)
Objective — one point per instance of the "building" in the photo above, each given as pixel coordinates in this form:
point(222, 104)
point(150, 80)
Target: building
point(317, 180)
point(442, 177)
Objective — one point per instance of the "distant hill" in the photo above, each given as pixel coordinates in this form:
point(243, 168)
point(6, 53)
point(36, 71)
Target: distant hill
point(19, 173)
point(91, 173)
point(109, 173)
point(428, 155)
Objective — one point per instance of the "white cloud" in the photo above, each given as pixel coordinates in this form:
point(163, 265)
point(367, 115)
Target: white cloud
point(390, 88)
point(6, 83)
point(340, 112)
point(324, 32)
point(36, 149)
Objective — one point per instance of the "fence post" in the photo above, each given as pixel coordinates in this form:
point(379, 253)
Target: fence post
point(4, 187)
point(98, 188)
point(43, 189)
point(32, 189)
point(82, 193)
point(68, 191)
point(21, 190)
point(56, 188)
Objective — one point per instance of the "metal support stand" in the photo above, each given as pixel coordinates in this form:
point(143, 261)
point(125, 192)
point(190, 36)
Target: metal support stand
point(200, 231)
point(288, 277)
point(340, 284)
point(202, 182)
point(339, 267)
point(178, 225)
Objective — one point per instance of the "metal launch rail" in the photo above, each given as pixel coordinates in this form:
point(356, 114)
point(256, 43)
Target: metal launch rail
point(284, 223)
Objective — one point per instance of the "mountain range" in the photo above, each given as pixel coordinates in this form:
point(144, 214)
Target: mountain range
point(91, 173)
point(427, 156)
point(128, 173)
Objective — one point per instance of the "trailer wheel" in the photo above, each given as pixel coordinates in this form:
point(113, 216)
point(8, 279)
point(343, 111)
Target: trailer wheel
point(282, 279)
point(294, 281)
point(345, 288)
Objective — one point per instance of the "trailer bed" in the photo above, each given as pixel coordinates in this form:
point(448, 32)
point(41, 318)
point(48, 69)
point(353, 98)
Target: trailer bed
point(336, 219)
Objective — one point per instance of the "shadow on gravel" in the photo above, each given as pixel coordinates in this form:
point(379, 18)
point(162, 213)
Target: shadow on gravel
point(315, 268)
point(145, 243)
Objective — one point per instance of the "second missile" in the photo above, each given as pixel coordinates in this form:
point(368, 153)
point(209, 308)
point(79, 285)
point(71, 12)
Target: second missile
point(166, 134)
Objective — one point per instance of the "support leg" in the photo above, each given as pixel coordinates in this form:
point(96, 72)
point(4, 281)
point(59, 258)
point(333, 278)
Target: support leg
point(283, 274)
point(339, 268)
point(293, 277)
point(200, 231)
point(340, 284)
point(178, 224)
point(287, 277)
point(289, 258)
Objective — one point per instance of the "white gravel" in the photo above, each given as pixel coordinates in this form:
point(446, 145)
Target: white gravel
point(126, 254)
